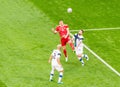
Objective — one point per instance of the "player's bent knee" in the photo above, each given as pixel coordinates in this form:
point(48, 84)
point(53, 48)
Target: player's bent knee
point(64, 47)
point(61, 71)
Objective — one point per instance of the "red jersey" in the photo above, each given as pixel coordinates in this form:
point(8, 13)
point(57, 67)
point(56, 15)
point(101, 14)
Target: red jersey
point(62, 30)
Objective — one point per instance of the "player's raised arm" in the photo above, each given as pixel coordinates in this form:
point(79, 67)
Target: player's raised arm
point(54, 31)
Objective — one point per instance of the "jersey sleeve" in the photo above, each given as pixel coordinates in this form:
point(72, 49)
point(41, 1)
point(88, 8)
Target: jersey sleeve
point(66, 26)
point(58, 55)
point(83, 38)
point(57, 28)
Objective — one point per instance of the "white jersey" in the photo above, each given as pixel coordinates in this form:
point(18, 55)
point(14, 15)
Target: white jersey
point(55, 55)
point(78, 40)
point(79, 43)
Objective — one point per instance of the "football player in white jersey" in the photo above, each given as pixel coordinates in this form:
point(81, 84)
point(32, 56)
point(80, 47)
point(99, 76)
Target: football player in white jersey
point(56, 64)
point(78, 43)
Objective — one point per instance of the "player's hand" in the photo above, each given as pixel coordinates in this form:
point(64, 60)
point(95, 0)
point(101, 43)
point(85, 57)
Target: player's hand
point(53, 29)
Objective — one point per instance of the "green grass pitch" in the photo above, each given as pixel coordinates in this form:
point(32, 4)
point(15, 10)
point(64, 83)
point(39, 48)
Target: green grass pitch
point(26, 41)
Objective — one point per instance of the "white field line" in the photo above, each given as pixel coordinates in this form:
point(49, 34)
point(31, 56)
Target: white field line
point(97, 29)
point(99, 58)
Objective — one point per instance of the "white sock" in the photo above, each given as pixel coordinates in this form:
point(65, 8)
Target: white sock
point(84, 56)
point(51, 74)
point(81, 60)
point(60, 77)
point(66, 59)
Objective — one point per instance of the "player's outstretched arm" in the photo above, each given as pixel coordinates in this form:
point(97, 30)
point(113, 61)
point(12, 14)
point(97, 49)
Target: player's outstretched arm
point(54, 31)
point(73, 39)
point(50, 59)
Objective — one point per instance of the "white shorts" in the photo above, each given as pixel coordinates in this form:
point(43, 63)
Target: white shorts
point(79, 50)
point(57, 67)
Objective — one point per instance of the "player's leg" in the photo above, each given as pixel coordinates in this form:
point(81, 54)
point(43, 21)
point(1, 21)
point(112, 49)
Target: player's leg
point(63, 43)
point(71, 44)
point(65, 53)
point(60, 77)
point(80, 59)
point(52, 74)
point(85, 56)
point(79, 55)
point(60, 69)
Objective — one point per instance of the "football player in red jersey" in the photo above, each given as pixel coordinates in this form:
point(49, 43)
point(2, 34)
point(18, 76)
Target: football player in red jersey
point(64, 33)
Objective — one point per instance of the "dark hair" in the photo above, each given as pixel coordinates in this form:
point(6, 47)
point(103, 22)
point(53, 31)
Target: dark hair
point(82, 30)
point(61, 20)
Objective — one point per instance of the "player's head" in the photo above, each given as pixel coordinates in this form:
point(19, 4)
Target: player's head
point(61, 22)
point(81, 32)
point(59, 46)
